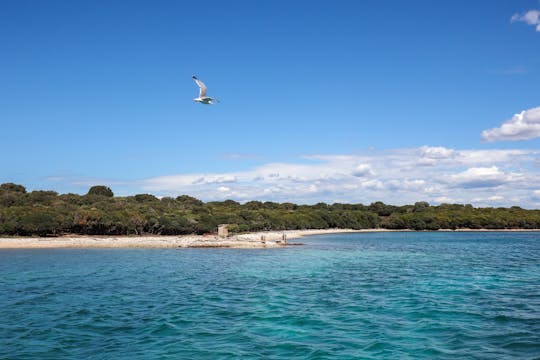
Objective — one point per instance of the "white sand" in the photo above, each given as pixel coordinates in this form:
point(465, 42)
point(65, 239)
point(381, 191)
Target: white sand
point(267, 239)
point(270, 239)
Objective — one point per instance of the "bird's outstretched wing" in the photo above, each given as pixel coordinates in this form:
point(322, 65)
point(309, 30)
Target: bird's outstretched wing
point(202, 87)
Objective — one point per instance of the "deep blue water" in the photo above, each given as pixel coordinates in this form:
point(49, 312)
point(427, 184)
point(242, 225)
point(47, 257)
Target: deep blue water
point(346, 296)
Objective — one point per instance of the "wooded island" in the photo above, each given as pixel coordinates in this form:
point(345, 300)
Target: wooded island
point(99, 212)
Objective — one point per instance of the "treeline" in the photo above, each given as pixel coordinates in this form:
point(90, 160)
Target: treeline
point(99, 212)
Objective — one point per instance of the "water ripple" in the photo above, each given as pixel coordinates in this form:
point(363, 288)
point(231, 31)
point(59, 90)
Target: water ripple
point(347, 296)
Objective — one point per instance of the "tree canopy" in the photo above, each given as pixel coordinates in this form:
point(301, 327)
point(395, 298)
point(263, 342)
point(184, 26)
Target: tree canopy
point(99, 212)
point(100, 190)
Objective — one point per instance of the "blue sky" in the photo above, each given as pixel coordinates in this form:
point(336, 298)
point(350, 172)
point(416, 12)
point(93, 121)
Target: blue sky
point(350, 101)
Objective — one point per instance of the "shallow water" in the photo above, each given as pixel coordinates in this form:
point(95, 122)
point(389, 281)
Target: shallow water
point(344, 296)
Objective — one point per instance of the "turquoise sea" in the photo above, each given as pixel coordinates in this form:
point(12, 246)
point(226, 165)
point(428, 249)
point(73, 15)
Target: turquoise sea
point(345, 296)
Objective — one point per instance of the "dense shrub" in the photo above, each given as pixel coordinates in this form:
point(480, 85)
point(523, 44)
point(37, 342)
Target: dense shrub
point(100, 213)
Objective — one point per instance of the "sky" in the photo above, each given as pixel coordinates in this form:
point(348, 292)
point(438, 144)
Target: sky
point(321, 101)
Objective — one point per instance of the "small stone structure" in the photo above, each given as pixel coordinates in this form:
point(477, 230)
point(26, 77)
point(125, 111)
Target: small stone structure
point(223, 230)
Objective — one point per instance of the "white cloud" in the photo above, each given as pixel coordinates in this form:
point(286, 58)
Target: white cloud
point(493, 156)
point(433, 155)
point(479, 177)
point(436, 152)
point(522, 126)
point(372, 184)
point(363, 170)
point(395, 176)
point(445, 200)
point(536, 195)
point(406, 184)
point(531, 17)
point(215, 179)
point(493, 200)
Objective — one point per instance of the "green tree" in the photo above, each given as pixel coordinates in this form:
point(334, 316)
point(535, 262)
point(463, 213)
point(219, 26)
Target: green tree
point(42, 197)
point(420, 206)
point(188, 202)
point(145, 198)
point(100, 190)
point(40, 222)
point(11, 187)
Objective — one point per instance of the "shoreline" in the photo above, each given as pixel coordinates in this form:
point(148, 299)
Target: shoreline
point(263, 239)
point(255, 240)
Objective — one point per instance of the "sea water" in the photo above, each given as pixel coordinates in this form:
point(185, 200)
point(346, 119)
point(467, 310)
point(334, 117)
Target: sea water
point(346, 296)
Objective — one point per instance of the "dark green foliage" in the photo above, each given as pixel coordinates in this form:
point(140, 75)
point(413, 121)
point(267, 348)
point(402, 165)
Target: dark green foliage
point(11, 194)
point(145, 198)
point(100, 213)
point(10, 198)
point(11, 187)
point(381, 208)
point(41, 197)
point(40, 222)
point(188, 202)
point(101, 191)
point(420, 206)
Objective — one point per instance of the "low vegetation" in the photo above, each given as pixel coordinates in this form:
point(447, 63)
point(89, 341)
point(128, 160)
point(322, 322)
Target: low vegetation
point(99, 212)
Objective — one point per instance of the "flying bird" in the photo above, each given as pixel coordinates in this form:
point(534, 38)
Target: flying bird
point(203, 99)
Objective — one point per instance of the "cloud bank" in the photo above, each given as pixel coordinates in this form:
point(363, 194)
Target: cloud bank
point(522, 126)
point(496, 177)
point(531, 17)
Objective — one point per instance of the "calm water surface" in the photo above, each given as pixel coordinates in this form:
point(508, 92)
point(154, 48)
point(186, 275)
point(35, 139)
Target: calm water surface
point(346, 296)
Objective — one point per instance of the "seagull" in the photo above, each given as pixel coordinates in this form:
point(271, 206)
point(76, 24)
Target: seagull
point(203, 99)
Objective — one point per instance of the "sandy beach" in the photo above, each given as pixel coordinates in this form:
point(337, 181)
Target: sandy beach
point(271, 239)
point(263, 239)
